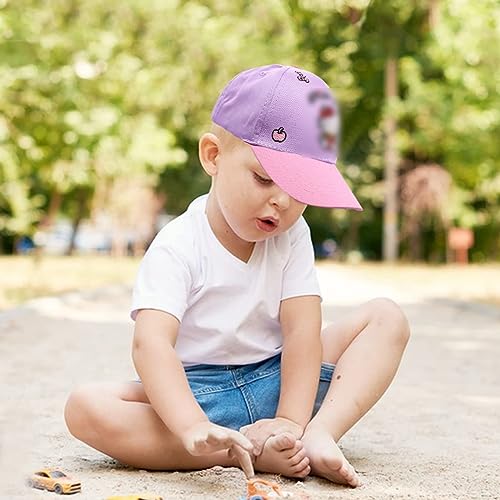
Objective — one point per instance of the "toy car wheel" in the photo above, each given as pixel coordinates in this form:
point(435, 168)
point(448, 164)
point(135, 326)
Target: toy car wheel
point(58, 489)
point(30, 483)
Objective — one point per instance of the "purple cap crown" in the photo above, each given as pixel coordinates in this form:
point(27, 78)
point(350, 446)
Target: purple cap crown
point(282, 108)
point(291, 120)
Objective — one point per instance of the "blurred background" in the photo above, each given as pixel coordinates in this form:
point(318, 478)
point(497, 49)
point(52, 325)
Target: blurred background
point(102, 103)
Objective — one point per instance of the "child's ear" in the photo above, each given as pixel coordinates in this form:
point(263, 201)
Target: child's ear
point(209, 148)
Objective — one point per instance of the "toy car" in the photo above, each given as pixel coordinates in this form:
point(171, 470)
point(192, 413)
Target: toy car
point(142, 496)
point(260, 489)
point(56, 480)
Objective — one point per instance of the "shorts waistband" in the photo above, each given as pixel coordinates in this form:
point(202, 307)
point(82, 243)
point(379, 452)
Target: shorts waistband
point(232, 367)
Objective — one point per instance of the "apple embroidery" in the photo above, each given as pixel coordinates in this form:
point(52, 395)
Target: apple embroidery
point(279, 134)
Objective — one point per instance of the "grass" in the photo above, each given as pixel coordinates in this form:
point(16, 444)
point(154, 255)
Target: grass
point(24, 277)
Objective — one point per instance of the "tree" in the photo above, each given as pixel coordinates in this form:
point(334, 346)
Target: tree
point(93, 92)
point(450, 113)
point(356, 45)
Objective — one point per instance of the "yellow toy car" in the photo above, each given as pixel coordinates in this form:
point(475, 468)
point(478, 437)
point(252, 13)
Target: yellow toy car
point(56, 480)
point(143, 496)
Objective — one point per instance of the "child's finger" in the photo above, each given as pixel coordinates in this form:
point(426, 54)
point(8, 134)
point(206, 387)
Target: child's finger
point(244, 460)
point(242, 441)
point(253, 436)
point(245, 428)
point(258, 445)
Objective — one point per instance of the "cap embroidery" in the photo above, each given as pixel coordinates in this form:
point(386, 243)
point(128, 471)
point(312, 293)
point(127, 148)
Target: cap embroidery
point(302, 77)
point(329, 127)
point(318, 94)
point(279, 134)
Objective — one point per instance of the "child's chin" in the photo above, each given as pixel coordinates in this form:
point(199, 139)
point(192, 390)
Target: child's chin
point(266, 237)
point(256, 236)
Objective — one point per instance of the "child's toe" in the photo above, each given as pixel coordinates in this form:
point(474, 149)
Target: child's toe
point(297, 457)
point(302, 469)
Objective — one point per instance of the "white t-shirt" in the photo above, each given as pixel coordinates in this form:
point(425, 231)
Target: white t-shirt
point(228, 309)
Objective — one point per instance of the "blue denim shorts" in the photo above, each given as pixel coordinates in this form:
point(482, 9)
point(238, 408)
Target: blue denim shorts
point(238, 395)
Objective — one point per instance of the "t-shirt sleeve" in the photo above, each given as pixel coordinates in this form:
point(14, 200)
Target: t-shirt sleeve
point(163, 282)
point(299, 275)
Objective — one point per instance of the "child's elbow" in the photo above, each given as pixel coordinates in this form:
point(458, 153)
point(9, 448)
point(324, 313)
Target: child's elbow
point(136, 351)
point(136, 347)
point(140, 345)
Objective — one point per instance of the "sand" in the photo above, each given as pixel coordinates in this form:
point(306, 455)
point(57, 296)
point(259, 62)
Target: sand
point(434, 435)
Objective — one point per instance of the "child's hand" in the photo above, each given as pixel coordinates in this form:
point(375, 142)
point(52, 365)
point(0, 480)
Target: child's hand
point(259, 432)
point(205, 438)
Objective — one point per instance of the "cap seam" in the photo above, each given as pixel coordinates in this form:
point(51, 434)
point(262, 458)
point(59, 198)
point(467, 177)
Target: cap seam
point(218, 103)
point(261, 119)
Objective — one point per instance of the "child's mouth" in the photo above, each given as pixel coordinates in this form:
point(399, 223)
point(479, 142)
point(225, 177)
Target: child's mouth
point(267, 224)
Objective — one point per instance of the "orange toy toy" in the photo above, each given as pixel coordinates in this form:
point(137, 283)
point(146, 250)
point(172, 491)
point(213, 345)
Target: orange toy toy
point(263, 489)
point(260, 489)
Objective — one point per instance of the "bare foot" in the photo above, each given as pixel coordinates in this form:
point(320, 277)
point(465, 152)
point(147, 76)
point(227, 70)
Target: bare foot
point(326, 459)
point(283, 454)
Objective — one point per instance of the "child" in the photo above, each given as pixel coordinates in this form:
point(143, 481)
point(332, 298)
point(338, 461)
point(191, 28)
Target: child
point(228, 343)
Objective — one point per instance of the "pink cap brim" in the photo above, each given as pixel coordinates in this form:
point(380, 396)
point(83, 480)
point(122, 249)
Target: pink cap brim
point(309, 181)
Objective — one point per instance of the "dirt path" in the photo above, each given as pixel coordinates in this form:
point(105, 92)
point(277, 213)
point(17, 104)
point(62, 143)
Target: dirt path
point(434, 435)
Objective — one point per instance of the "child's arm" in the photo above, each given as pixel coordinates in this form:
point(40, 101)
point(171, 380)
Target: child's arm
point(300, 319)
point(167, 388)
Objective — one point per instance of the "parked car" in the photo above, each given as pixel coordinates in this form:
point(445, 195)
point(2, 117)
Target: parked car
point(56, 480)
point(89, 239)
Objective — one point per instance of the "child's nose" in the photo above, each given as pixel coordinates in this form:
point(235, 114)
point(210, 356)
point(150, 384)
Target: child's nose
point(280, 199)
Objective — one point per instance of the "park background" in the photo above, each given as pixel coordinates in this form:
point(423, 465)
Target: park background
point(101, 105)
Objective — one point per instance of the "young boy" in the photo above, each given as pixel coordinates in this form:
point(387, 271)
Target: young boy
point(228, 343)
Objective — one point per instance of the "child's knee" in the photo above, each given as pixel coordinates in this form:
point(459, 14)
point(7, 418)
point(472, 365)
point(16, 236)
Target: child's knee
point(387, 313)
point(78, 411)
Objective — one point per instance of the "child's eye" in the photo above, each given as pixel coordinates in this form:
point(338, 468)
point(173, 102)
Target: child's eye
point(262, 180)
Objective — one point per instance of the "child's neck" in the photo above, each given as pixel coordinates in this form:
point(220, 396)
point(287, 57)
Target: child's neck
point(241, 249)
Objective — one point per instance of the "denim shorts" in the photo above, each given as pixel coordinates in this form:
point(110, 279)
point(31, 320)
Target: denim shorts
point(238, 395)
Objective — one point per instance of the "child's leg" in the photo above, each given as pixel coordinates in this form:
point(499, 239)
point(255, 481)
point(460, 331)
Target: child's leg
point(118, 420)
point(366, 346)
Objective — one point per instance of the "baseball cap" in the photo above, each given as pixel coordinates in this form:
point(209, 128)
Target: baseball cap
point(290, 119)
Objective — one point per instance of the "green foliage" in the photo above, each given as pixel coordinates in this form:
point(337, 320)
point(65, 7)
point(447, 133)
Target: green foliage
point(451, 106)
point(91, 91)
point(448, 111)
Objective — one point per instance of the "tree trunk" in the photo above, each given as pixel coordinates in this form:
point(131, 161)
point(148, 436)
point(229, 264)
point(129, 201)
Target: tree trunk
point(416, 242)
point(53, 209)
point(79, 215)
point(390, 239)
point(433, 14)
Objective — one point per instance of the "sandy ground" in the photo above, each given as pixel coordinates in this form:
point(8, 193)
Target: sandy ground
point(434, 435)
